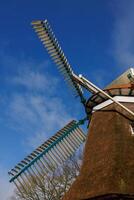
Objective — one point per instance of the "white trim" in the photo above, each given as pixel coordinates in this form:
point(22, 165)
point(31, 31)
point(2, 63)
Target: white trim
point(132, 131)
point(109, 101)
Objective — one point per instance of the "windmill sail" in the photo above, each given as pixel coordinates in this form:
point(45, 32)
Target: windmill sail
point(46, 35)
point(48, 156)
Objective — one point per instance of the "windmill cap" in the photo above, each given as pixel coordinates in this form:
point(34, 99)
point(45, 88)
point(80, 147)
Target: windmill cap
point(126, 78)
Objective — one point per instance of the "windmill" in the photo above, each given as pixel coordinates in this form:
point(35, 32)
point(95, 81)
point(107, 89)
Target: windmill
point(65, 142)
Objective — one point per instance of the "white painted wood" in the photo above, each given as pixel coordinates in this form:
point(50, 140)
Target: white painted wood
point(132, 130)
point(109, 101)
point(87, 84)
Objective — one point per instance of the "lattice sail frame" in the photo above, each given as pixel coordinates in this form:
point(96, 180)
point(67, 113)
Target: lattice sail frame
point(47, 156)
point(47, 37)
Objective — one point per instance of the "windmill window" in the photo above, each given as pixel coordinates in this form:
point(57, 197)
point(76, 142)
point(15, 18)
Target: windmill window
point(132, 128)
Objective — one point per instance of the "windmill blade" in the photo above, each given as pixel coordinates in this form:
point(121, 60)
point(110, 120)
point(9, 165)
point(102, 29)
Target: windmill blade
point(47, 156)
point(46, 35)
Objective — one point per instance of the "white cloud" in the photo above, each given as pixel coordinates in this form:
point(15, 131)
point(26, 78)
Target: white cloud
point(31, 107)
point(123, 33)
point(36, 81)
point(37, 114)
point(35, 110)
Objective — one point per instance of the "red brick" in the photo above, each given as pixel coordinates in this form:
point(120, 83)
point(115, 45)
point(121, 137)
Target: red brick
point(108, 166)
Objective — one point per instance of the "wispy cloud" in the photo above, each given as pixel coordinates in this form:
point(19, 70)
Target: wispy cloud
point(33, 107)
point(37, 116)
point(123, 33)
point(36, 81)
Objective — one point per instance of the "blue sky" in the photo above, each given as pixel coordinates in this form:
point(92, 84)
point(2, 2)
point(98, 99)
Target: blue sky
point(97, 38)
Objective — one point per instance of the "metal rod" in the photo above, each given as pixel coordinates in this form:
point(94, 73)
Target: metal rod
point(38, 177)
point(49, 166)
point(56, 156)
point(73, 143)
point(79, 136)
point(64, 147)
point(22, 185)
point(76, 137)
point(68, 145)
point(42, 169)
point(34, 174)
point(36, 166)
point(43, 164)
point(18, 188)
point(81, 133)
point(61, 151)
point(31, 182)
point(25, 183)
point(50, 159)
point(27, 177)
point(53, 157)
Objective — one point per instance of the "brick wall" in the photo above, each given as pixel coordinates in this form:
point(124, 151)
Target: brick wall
point(108, 164)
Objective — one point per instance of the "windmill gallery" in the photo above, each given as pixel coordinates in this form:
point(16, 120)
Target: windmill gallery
point(107, 170)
